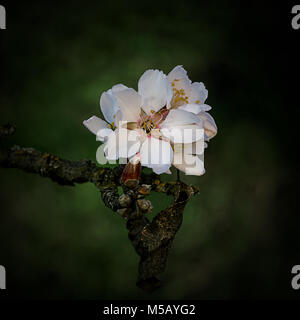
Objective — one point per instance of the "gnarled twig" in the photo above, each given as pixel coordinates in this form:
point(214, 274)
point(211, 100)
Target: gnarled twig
point(151, 240)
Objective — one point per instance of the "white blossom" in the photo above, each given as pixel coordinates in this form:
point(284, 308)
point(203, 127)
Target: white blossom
point(163, 123)
point(191, 96)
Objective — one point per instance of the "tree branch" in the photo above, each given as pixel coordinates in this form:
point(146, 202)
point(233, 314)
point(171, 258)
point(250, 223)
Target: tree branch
point(151, 240)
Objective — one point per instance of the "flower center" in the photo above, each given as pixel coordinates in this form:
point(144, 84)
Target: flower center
point(148, 122)
point(148, 125)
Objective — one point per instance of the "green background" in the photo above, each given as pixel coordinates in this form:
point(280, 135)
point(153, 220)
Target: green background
point(238, 238)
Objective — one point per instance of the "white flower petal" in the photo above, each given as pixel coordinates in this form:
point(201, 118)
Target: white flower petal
point(122, 144)
point(129, 102)
point(198, 93)
point(108, 106)
point(142, 135)
point(155, 133)
point(194, 148)
point(177, 73)
point(118, 87)
point(110, 148)
point(183, 134)
point(179, 117)
point(195, 108)
point(155, 89)
point(103, 134)
point(156, 154)
point(189, 164)
point(179, 79)
point(210, 127)
point(118, 118)
point(205, 107)
point(98, 127)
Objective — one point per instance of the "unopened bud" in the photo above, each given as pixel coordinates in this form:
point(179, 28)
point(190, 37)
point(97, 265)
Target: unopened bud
point(131, 174)
point(125, 200)
point(144, 205)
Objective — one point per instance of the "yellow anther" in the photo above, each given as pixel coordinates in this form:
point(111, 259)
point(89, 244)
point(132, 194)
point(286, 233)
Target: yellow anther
point(179, 96)
point(112, 125)
point(152, 111)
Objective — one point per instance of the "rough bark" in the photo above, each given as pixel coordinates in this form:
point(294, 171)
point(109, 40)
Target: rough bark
point(152, 240)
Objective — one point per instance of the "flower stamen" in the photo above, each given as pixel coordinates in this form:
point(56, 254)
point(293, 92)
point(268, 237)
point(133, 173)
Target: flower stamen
point(152, 121)
point(179, 97)
point(112, 125)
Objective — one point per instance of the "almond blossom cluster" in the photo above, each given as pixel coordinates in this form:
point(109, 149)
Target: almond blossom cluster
point(166, 122)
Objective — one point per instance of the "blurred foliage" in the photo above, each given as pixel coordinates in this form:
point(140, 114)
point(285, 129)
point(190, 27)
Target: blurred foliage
point(61, 242)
